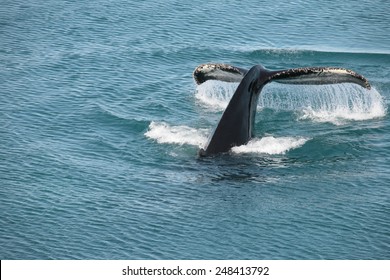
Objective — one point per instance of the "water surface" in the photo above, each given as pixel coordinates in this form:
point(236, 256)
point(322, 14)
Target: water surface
point(101, 123)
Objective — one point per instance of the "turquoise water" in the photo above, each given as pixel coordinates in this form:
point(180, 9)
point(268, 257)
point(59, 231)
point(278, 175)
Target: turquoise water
point(101, 123)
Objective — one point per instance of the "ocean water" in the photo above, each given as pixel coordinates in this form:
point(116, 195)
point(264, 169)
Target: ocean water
point(101, 121)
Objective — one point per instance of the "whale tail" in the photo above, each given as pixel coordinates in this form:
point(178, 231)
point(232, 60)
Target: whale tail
point(302, 76)
point(236, 125)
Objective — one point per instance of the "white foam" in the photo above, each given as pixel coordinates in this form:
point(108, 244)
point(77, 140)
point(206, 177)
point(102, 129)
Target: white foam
point(164, 133)
point(270, 145)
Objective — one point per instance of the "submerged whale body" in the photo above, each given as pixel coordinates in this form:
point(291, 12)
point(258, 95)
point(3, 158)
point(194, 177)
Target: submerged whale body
point(236, 125)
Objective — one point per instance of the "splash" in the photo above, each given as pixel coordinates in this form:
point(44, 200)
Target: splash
point(215, 95)
point(336, 104)
point(271, 145)
point(354, 104)
point(164, 133)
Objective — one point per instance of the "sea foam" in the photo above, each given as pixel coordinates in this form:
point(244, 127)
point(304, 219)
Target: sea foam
point(164, 133)
point(270, 145)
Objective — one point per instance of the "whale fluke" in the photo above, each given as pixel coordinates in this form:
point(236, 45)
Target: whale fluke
point(319, 76)
point(301, 76)
point(218, 71)
point(236, 125)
